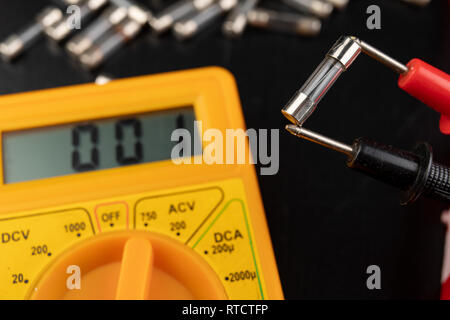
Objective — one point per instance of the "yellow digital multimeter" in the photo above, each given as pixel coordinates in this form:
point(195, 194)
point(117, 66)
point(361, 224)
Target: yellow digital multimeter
point(93, 207)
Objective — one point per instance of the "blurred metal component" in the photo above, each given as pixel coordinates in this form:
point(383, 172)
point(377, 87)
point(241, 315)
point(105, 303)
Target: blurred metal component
point(236, 20)
point(102, 79)
point(420, 3)
point(320, 139)
point(177, 11)
point(345, 50)
point(86, 39)
point(110, 43)
point(191, 25)
point(19, 42)
point(49, 16)
point(112, 16)
point(286, 22)
point(337, 60)
point(135, 11)
point(110, 32)
point(381, 57)
point(315, 7)
point(70, 2)
point(340, 4)
point(60, 30)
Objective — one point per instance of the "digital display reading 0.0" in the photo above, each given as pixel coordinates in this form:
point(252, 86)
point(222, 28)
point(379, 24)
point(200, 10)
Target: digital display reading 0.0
point(94, 145)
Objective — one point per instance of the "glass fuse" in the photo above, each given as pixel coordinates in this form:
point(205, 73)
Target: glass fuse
point(177, 11)
point(60, 30)
point(337, 60)
point(285, 22)
point(236, 21)
point(135, 11)
point(83, 41)
point(17, 43)
point(111, 43)
point(315, 7)
point(193, 24)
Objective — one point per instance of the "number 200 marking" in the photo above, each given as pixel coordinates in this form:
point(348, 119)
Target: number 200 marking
point(36, 250)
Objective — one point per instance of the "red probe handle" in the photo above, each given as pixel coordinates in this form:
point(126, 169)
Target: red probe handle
point(431, 86)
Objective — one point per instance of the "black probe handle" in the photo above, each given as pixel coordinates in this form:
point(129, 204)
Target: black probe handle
point(437, 184)
point(413, 172)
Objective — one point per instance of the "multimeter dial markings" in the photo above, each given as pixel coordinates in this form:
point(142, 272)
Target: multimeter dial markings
point(112, 216)
point(228, 247)
point(179, 215)
point(211, 219)
point(31, 241)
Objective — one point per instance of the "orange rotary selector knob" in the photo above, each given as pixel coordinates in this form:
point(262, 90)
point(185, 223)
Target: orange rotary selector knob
point(129, 265)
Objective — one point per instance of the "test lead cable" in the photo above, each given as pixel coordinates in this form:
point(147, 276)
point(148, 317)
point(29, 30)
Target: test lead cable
point(413, 172)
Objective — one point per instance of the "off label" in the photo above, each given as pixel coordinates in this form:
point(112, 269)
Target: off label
point(179, 215)
point(112, 216)
point(230, 251)
point(30, 242)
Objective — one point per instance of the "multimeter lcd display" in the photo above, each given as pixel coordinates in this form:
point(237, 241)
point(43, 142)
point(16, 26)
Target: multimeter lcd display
point(94, 145)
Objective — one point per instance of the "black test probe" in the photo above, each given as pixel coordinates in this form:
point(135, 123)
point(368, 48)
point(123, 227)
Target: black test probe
point(413, 172)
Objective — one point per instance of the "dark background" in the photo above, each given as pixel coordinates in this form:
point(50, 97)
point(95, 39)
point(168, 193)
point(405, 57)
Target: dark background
point(328, 224)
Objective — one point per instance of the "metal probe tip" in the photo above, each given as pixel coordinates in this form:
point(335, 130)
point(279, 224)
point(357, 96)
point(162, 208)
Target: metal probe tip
point(320, 139)
point(376, 54)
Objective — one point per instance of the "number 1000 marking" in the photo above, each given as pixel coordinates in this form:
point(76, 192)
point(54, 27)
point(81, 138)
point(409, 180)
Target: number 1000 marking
point(92, 130)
